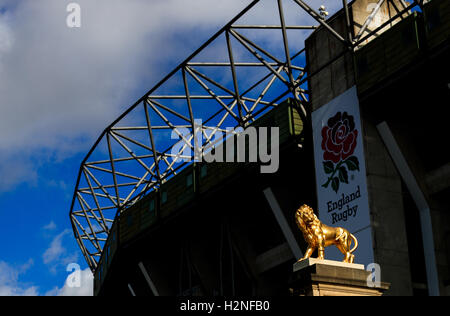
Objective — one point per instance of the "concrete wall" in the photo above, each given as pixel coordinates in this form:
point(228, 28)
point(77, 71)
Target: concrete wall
point(322, 47)
point(436, 193)
point(333, 80)
point(395, 220)
point(387, 213)
point(384, 184)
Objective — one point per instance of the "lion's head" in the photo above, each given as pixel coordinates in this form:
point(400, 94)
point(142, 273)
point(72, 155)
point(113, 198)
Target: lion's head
point(306, 213)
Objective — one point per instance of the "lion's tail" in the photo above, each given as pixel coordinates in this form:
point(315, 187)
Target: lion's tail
point(356, 243)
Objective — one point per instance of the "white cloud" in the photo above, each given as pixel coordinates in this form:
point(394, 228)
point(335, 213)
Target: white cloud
point(15, 169)
point(77, 283)
point(60, 87)
point(24, 268)
point(50, 226)
point(56, 250)
point(56, 255)
point(85, 286)
point(59, 84)
point(9, 280)
point(5, 35)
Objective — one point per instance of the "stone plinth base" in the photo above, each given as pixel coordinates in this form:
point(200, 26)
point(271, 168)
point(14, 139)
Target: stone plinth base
point(313, 277)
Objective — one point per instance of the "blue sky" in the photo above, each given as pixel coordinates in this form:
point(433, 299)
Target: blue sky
point(59, 88)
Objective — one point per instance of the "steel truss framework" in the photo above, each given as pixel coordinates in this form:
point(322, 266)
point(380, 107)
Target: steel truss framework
point(136, 153)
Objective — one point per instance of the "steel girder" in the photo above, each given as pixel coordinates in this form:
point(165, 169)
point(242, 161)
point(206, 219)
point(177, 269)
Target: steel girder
point(138, 151)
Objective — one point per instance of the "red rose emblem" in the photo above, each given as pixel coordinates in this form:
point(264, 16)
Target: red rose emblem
point(339, 138)
point(338, 143)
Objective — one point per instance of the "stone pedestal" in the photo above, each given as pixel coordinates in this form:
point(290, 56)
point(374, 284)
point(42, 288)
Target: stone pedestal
point(313, 277)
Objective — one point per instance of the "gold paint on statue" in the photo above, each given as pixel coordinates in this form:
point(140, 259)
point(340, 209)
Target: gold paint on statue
point(318, 235)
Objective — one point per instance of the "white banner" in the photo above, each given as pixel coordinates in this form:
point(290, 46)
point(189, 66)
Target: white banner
point(341, 172)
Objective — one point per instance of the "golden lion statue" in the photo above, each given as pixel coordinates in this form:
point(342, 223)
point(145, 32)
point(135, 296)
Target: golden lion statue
point(318, 235)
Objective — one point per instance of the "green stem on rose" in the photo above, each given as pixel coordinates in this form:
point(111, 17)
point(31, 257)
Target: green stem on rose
point(334, 172)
